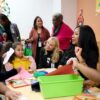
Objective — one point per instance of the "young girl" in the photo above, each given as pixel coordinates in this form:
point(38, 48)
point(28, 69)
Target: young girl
point(51, 54)
point(19, 60)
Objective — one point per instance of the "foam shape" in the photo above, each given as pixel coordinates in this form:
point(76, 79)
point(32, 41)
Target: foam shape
point(8, 55)
point(23, 74)
point(40, 73)
point(67, 69)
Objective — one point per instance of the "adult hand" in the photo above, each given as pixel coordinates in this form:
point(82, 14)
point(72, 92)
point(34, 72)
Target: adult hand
point(12, 95)
point(74, 63)
point(88, 84)
point(78, 52)
point(28, 41)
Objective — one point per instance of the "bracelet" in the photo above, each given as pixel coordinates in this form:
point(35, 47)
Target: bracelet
point(83, 62)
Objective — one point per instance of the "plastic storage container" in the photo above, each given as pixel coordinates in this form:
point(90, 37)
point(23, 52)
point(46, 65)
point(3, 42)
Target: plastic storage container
point(60, 85)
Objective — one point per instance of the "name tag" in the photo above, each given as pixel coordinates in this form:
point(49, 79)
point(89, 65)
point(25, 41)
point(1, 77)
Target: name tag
point(48, 60)
point(52, 65)
point(39, 44)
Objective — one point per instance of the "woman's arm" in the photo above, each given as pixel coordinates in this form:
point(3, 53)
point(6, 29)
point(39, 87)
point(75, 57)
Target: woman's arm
point(5, 75)
point(90, 73)
point(31, 35)
point(47, 34)
point(98, 66)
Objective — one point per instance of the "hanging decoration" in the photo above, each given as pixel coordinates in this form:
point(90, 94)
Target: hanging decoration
point(80, 19)
point(98, 6)
point(4, 8)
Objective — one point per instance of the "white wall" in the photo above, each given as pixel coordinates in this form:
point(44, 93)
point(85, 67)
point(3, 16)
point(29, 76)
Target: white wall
point(23, 13)
point(69, 10)
point(56, 6)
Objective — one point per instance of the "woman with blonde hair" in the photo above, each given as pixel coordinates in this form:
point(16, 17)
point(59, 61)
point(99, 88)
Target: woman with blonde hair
point(51, 54)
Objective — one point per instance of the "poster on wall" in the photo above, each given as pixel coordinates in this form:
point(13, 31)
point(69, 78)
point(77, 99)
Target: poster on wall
point(98, 6)
point(4, 7)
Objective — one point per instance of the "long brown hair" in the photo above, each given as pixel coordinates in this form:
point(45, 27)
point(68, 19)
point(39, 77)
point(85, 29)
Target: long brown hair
point(34, 24)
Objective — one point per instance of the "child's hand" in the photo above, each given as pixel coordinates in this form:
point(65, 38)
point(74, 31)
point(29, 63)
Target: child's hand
point(19, 69)
point(8, 66)
point(30, 71)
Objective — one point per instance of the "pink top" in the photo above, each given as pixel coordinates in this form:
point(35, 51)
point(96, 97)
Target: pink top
point(64, 36)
